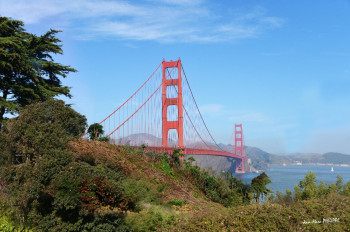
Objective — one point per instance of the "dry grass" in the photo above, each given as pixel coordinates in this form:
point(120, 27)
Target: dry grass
point(140, 166)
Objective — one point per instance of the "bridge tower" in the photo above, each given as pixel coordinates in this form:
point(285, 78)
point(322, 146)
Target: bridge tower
point(166, 102)
point(239, 148)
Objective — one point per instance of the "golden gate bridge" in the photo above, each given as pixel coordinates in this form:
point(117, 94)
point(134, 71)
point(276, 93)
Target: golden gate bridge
point(163, 114)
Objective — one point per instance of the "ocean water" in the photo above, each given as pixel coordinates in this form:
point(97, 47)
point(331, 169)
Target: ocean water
point(286, 177)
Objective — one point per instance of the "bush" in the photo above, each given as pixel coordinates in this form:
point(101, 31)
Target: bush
point(225, 189)
point(139, 190)
point(103, 139)
point(49, 189)
point(276, 217)
point(177, 202)
point(39, 129)
point(152, 219)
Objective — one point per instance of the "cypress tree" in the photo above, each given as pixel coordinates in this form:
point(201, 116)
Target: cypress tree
point(28, 72)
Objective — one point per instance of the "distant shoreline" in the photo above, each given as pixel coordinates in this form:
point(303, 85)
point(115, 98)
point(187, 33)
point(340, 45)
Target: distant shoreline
point(316, 164)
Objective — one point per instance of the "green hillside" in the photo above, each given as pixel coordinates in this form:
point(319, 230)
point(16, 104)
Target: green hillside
point(52, 181)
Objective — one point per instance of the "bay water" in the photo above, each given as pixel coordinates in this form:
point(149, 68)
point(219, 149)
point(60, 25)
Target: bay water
point(286, 177)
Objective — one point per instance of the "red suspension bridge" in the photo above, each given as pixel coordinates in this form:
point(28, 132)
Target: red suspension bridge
point(163, 114)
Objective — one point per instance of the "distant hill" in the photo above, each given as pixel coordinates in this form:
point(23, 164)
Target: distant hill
point(262, 160)
point(305, 157)
point(259, 159)
point(336, 158)
point(327, 158)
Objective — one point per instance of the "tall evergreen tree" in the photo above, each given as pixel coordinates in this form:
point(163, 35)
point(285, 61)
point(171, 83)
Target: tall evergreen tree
point(259, 185)
point(28, 73)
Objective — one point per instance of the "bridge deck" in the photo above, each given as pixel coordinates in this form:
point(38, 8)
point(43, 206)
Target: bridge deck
point(196, 151)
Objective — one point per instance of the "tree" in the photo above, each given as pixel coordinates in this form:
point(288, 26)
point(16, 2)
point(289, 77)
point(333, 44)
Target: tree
point(95, 131)
point(177, 155)
point(346, 189)
point(297, 193)
point(339, 183)
point(259, 184)
point(308, 186)
point(191, 159)
point(28, 73)
point(323, 188)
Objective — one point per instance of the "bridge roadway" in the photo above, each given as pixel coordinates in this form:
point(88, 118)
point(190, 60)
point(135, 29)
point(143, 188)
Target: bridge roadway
point(196, 151)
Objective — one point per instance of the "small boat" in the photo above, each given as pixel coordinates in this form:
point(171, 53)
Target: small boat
point(332, 170)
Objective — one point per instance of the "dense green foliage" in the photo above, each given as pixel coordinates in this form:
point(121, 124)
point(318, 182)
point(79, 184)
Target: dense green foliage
point(323, 214)
point(95, 131)
point(28, 72)
point(225, 189)
point(312, 207)
point(39, 130)
point(259, 184)
point(47, 187)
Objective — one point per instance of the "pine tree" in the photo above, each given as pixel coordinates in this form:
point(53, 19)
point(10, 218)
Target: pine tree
point(28, 73)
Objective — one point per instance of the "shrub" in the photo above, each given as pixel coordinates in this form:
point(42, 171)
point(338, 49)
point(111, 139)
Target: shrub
point(152, 219)
point(165, 167)
point(139, 190)
point(225, 189)
point(177, 202)
point(40, 128)
point(49, 189)
point(103, 139)
point(308, 186)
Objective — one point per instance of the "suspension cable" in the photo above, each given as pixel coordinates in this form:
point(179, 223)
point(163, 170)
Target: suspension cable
point(198, 109)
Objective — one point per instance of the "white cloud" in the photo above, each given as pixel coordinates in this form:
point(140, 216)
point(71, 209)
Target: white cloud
point(136, 31)
point(156, 20)
point(34, 11)
point(272, 21)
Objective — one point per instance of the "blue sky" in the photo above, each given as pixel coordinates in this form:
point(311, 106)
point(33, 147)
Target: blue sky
point(282, 68)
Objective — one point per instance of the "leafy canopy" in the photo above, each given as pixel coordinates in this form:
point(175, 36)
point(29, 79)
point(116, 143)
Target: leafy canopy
point(39, 129)
point(259, 185)
point(95, 131)
point(28, 73)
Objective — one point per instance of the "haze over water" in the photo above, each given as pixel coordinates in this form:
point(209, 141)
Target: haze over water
point(286, 177)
